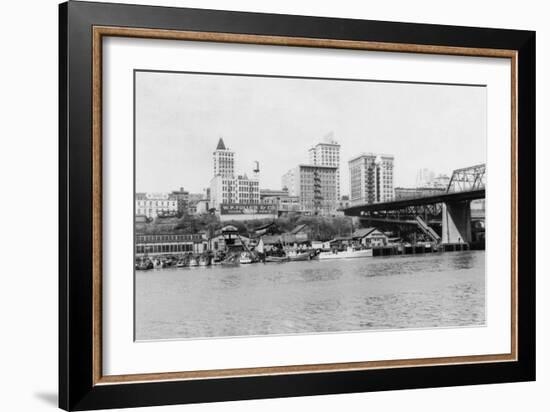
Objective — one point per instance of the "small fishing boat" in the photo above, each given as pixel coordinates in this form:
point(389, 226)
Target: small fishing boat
point(204, 261)
point(245, 258)
point(346, 254)
point(299, 256)
point(232, 260)
point(181, 263)
point(193, 262)
point(276, 259)
point(145, 264)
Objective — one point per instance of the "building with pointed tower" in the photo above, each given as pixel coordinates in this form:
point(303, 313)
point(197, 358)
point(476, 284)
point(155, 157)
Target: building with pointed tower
point(223, 160)
point(235, 197)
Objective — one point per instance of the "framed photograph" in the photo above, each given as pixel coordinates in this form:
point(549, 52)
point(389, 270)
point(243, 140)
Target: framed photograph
point(256, 205)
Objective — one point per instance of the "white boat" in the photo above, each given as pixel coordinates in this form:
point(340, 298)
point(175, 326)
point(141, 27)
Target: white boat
point(347, 254)
point(204, 261)
point(245, 258)
point(193, 262)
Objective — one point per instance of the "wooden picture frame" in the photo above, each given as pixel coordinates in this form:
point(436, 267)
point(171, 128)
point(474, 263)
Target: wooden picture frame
point(83, 26)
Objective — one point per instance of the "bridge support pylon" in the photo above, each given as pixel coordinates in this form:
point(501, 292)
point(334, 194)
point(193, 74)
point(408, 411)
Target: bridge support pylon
point(456, 222)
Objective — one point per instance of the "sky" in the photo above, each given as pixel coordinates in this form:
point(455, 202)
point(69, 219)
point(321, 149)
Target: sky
point(180, 117)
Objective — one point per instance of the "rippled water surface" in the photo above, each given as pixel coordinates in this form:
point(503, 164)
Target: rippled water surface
point(426, 291)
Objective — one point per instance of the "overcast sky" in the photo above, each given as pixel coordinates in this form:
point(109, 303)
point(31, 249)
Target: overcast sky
point(180, 117)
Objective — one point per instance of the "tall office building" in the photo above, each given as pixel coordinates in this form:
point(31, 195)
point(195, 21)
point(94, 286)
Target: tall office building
point(225, 187)
point(223, 160)
point(327, 153)
point(316, 187)
point(371, 178)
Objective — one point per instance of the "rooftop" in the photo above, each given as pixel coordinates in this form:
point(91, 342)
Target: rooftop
point(360, 155)
point(221, 145)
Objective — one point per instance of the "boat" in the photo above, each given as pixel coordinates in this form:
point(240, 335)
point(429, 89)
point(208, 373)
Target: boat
point(181, 263)
point(346, 254)
point(193, 262)
point(245, 258)
point(204, 261)
point(299, 256)
point(276, 259)
point(145, 264)
point(232, 260)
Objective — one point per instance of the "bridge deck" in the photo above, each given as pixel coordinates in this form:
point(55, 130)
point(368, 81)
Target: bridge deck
point(427, 200)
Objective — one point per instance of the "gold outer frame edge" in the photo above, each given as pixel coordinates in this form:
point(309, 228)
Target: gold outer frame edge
point(101, 31)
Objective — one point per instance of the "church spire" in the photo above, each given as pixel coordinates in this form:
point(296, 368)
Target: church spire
point(221, 145)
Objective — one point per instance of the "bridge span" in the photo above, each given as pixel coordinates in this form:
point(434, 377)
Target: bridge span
point(451, 209)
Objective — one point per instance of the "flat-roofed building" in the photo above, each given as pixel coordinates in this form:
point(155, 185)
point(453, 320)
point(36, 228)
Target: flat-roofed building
point(316, 186)
point(169, 244)
point(327, 153)
point(371, 178)
point(153, 205)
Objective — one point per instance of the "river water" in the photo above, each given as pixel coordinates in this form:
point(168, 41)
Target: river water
point(422, 291)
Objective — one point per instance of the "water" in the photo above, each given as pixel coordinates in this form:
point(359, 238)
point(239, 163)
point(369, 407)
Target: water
point(422, 291)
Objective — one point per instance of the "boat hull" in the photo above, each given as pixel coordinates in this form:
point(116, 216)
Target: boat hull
point(346, 254)
point(276, 259)
point(300, 257)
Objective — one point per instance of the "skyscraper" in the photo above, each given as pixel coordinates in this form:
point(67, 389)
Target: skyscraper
point(315, 186)
point(226, 187)
point(327, 153)
point(371, 178)
point(223, 160)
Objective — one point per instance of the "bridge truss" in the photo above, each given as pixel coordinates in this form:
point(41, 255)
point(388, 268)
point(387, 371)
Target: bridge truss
point(468, 178)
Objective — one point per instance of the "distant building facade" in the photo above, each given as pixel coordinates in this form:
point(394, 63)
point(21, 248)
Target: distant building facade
point(440, 181)
point(371, 178)
point(226, 188)
point(281, 199)
point(229, 190)
point(316, 187)
point(202, 206)
point(154, 205)
point(182, 197)
point(426, 178)
point(223, 160)
point(327, 153)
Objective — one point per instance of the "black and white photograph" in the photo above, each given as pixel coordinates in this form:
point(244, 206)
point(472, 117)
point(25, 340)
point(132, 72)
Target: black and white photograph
point(272, 205)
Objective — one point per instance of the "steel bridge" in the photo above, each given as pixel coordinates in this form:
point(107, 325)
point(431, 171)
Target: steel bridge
point(450, 209)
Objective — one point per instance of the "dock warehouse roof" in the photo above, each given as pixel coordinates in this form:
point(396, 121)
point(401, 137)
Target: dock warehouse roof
point(361, 233)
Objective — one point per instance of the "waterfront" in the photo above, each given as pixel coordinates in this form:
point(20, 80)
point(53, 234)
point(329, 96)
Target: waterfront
point(427, 291)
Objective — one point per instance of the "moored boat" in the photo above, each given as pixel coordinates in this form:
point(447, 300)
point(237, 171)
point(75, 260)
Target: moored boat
point(204, 261)
point(245, 258)
point(144, 264)
point(193, 262)
point(276, 259)
point(232, 260)
point(346, 254)
point(299, 256)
